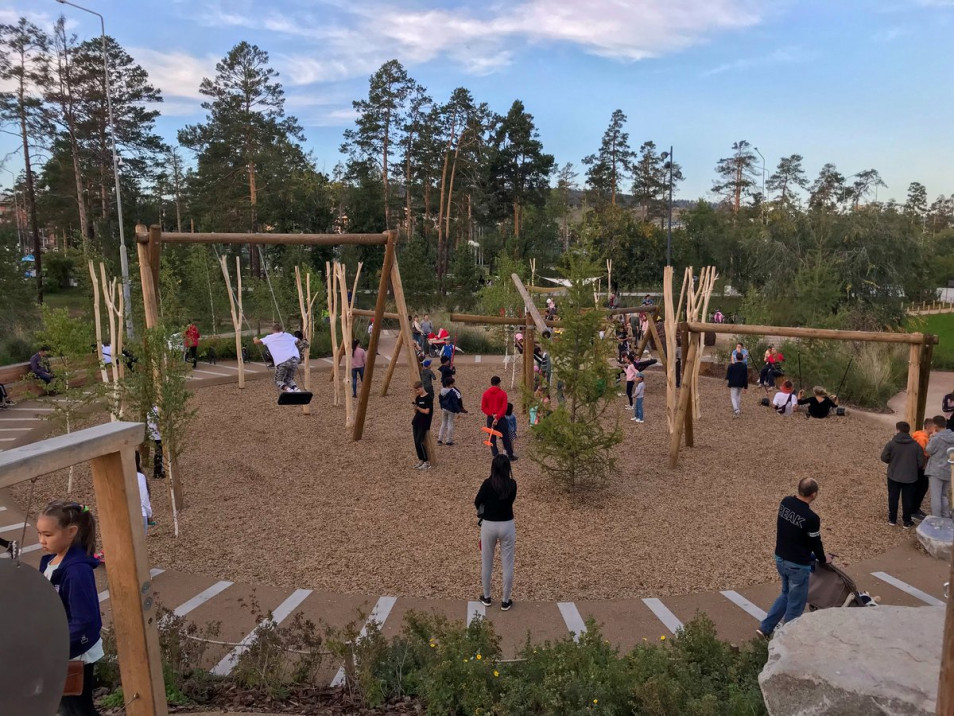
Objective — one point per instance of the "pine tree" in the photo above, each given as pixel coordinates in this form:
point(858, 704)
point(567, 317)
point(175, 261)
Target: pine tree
point(651, 182)
point(788, 177)
point(828, 190)
point(737, 174)
point(614, 161)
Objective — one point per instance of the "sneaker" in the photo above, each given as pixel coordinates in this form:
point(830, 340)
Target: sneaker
point(919, 515)
point(761, 634)
point(505, 606)
point(893, 523)
point(514, 458)
point(907, 525)
point(635, 420)
point(638, 420)
point(420, 465)
point(440, 442)
point(486, 601)
point(426, 466)
point(449, 442)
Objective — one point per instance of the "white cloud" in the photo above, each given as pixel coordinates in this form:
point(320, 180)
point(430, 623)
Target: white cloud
point(784, 56)
point(176, 73)
point(357, 38)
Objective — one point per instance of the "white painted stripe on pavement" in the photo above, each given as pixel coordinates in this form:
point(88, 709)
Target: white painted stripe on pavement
point(908, 589)
point(13, 430)
point(24, 550)
point(7, 440)
point(744, 604)
point(328, 361)
point(201, 598)
point(478, 359)
point(33, 410)
point(20, 420)
point(281, 612)
point(210, 372)
point(474, 610)
point(379, 614)
point(670, 620)
point(104, 595)
point(572, 619)
point(2, 508)
point(10, 528)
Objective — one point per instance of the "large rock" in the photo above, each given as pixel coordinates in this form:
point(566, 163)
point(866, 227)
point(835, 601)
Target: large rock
point(862, 661)
point(936, 535)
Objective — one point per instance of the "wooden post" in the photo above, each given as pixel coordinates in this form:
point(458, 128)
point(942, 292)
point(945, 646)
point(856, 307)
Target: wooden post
point(347, 333)
point(528, 303)
point(670, 319)
point(235, 306)
point(305, 305)
point(332, 278)
point(133, 610)
point(914, 384)
point(680, 422)
point(945, 684)
point(338, 355)
point(927, 358)
point(99, 322)
point(660, 348)
point(395, 356)
point(150, 304)
point(375, 336)
point(527, 382)
point(696, 340)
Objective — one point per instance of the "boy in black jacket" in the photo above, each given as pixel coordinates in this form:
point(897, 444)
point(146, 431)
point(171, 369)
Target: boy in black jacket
point(737, 375)
point(905, 460)
point(451, 404)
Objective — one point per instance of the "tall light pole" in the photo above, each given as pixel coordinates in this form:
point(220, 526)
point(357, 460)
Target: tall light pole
point(123, 257)
point(763, 182)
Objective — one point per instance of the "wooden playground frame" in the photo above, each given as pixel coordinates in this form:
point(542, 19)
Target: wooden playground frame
point(149, 244)
point(110, 449)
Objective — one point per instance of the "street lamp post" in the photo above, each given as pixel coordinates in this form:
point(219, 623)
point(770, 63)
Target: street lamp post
point(763, 183)
point(123, 257)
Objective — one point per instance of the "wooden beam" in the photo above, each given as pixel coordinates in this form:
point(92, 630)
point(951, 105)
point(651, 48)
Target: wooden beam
point(494, 320)
point(133, 609)
point(927, 358)
point(363, 312)
point(823, 333)
point(173, 237)
point(528, 304)
point(22, 463)
point(634, 309)
point(150, 304)
point(914, 385)
point(155, 253)
point(529, 342)
point(375, 337)
point(679, 423)
point(660, 348)
point(395, 356)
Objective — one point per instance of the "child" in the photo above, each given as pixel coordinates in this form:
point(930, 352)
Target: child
point(152, 426)
point(427, 378)
point(67, 532)
point(284, 349)
point(446, 369)
point(631, 372)
point(638, 394)
point(511, 423)
point(301, 344)
point(421, 423)
point(144, 498)
point(447, 350)
point(451, 405)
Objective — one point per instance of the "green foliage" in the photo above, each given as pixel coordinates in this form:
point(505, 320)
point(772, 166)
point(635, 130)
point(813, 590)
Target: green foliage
point(281, 656)
point(941, 325)
point(462, 283)
point(499, 295)
point(417, 274)
point(573, 445)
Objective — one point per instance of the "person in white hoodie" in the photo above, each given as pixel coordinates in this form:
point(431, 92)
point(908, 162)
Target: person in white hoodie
point(938, 468)
point(144, 501)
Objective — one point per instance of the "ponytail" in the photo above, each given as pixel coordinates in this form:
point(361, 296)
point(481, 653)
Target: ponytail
point(67, 514)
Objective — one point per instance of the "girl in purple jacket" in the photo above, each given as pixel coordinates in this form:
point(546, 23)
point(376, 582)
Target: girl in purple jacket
point(67, 532)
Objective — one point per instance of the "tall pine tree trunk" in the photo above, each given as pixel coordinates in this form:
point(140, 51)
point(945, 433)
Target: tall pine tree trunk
point(384, 176)
point(31, 197)
point(254, 264)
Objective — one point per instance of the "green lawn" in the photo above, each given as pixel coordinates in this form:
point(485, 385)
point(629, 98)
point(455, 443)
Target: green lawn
point(942, 326)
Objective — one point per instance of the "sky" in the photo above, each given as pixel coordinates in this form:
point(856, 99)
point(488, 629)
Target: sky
point(859, 83)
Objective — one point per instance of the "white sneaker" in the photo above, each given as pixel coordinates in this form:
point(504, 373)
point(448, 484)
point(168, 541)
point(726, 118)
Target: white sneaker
point(426, 466)
point(634, 420)
point(640, 421)
point(420, 465)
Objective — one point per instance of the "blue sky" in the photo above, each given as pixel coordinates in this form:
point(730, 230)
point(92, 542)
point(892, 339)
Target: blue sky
point(860, 83)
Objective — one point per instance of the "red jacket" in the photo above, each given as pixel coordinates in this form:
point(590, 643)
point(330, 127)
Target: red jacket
point(494, 402)
point(191, 336)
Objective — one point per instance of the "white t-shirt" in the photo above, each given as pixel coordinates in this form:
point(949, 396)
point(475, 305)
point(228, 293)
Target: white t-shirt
point(144, 500)
point(787, 399)
point(152, 424)
point(107, 355)
point(282, 346)
point(95, 652)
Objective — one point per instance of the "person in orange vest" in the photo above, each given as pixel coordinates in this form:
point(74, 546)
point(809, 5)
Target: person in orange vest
point(192, 343)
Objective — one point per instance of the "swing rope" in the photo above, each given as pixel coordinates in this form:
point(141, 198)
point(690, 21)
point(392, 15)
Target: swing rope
point(261, 255)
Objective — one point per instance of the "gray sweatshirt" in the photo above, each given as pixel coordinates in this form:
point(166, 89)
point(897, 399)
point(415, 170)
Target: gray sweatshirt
point(937, 447)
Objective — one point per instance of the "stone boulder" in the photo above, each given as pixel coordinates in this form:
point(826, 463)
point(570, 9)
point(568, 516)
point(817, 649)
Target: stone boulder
point(936, 535)
point(855, 662)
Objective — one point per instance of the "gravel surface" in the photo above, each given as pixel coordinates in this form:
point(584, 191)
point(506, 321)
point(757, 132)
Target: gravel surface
point(282, 498)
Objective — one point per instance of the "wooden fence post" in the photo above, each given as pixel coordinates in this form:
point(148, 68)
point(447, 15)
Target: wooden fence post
point(680, 421)
point(914, 383)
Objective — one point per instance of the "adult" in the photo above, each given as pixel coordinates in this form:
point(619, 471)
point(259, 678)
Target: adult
point(739, 348)
point(417, 333)
point(905, 459)
point(797, 546)
point(938, 469)
point(784, 401)
point(737, 376)
point(922, 437)
point(494, 503)
point(40, 365)
point(772, 368)
point(717, 317)
point(493, 404)
point(359, 358)
point(947, 407)
point(820, 404)
point(427, 328)
point(421, 423)
point(192, 343)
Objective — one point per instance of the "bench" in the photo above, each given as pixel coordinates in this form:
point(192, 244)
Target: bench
point(20, 385)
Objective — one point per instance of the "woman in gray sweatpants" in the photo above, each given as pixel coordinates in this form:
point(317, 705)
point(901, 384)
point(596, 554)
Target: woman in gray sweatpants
point(494, 503)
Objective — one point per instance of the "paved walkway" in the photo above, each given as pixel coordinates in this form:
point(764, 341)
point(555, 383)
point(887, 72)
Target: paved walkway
point(902, 576)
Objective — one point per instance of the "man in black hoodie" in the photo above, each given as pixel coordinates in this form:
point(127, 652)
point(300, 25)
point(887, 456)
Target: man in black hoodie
point(737, 374)
point(905, 459)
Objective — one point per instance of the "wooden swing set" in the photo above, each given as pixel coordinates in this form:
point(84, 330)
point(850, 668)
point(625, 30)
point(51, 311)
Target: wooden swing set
point(149, 244)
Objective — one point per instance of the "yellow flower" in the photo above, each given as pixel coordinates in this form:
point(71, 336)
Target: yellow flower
point(433, 645)
point(662, 638)
point(466, 660)
point(496, 673)
point(479, 657)
point(596, 701)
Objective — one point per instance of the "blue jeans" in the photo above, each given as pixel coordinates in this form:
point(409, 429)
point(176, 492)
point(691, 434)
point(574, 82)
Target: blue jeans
point(791, 602)
point(638, 409)
point(355, 373)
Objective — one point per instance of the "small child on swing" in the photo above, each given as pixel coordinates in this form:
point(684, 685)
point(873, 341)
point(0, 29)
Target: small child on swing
point(284, 349)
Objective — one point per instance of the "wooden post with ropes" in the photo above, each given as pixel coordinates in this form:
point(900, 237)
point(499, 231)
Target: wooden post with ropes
point(529, 342)
point(99, 324)
point(375, 336)
point(927, 358)
point(392, 364)
point(306, 304)
point(347, 335)
point(147, 276)
point(670, 319)
point(235, 307)
point(331, 280)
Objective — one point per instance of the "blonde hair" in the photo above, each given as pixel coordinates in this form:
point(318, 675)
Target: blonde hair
point(819, 391)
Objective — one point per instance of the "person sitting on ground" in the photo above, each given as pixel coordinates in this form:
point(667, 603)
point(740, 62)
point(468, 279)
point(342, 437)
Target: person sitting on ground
point(284, 349)
point(784, 401)
point(938, 468)
point(797, 546)
point(905, 460)
point(737, 376)
point(820, 404)
point(40, 365)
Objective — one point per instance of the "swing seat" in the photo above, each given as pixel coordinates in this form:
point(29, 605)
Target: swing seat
point(294, 398)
